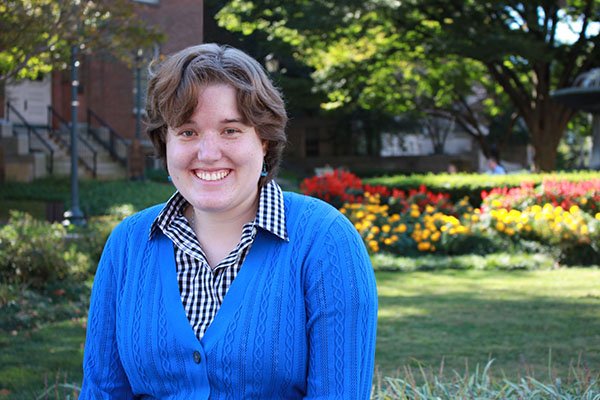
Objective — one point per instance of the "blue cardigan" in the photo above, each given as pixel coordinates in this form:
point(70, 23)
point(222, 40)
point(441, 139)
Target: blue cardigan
point(298, 322)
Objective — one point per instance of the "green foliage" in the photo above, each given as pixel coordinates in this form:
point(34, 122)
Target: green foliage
point(36, 35)
point(37, 253)
point(417, 54)
point(93, 236)
point(494, 261)
point(96, 197)
point(476, 243)
point(480, 385)
point(24, 309)
point(462, 185)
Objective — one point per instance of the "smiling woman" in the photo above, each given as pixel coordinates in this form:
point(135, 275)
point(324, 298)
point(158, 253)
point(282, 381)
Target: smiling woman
point(232, 288)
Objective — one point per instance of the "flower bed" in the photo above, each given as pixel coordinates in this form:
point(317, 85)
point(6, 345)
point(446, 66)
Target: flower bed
point(558, 217)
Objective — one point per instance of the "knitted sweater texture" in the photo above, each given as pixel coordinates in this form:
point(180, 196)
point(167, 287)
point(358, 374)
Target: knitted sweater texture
point(298, 322)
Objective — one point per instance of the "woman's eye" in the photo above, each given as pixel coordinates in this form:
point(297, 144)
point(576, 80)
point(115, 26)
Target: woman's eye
point(231, 131)
point(187, 133)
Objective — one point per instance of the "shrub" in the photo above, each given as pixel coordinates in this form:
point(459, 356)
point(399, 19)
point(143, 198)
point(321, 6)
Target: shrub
point(573, 235)
point(34, 252)
point(22, 308)
point(94, 235)
point(336, 187)
point(420, 229)
point(584, 194)
point(458, 186)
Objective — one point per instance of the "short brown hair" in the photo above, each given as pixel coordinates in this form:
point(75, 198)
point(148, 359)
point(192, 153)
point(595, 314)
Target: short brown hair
point(175, 84)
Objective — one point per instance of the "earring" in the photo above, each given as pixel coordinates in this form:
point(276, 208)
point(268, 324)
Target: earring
point(264, 171)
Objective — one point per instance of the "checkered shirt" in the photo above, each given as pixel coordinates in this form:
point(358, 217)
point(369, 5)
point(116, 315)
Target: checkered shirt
point(203, 288)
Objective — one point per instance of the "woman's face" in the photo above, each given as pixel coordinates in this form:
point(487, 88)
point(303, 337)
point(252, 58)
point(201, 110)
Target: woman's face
point(215, 159)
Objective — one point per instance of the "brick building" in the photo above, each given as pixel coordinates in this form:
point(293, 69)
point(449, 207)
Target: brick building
point(107, 103)
point(108, 87)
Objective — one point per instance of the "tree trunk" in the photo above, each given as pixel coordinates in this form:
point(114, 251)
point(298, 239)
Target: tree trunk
point(547, 124)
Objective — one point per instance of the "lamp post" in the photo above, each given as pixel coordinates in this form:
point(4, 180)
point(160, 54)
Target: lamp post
point(74, 215)
point(138, 93)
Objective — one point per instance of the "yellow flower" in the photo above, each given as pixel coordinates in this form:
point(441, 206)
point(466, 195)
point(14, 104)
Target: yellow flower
point(375, 230)
point(429, 209)
point(435, 237)
point(574, 209)
point(386, 228)
point(496, 203)
point(402, 227)
point(583, 201)
point(423, 246)
point(509, 231)
point(415, 213)
point(462, 229)
point(373, 245)
point(388, 241)
point(360, 214)
point(597, 216)
point(500, 226)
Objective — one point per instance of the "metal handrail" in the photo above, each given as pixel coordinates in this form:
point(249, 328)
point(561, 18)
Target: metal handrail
point(114, 137)
point(30, 130)
point(52, 113)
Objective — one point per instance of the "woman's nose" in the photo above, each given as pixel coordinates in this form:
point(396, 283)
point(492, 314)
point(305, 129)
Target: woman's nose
point(209, 148)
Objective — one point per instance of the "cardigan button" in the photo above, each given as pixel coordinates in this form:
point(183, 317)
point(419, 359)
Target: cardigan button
point(197, 357)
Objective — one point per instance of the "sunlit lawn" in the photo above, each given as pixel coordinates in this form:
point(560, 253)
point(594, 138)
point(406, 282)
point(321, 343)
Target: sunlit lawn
point(460, 317)
point(521, 319)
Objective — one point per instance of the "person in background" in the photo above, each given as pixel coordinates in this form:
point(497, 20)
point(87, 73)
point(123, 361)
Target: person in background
point(494, 166)
point(232, 288)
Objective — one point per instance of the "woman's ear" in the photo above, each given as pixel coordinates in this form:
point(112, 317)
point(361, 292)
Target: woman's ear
point(265, 146)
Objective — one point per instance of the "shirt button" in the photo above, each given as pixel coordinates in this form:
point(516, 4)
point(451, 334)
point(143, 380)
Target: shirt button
point(197, 357)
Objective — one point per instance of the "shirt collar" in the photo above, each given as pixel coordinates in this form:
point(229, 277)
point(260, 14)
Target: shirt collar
point(270, 215)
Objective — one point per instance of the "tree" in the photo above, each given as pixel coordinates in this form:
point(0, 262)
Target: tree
point(357, 46)
point(36, 35)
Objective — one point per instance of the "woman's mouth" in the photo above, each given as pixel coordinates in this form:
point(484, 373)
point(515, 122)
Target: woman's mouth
point(212, 175)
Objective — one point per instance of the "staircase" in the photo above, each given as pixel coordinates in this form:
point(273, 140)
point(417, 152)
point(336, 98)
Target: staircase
point(94, 161)
point(35, 151)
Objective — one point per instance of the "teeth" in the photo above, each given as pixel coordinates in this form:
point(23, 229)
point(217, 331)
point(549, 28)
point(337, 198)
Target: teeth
point(212, 176)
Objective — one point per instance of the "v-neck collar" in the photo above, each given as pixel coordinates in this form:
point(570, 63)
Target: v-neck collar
point(234, 297)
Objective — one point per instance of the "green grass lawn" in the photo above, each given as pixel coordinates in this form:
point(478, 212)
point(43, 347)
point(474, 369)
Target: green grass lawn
point(517, 318)
point(461, 317)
